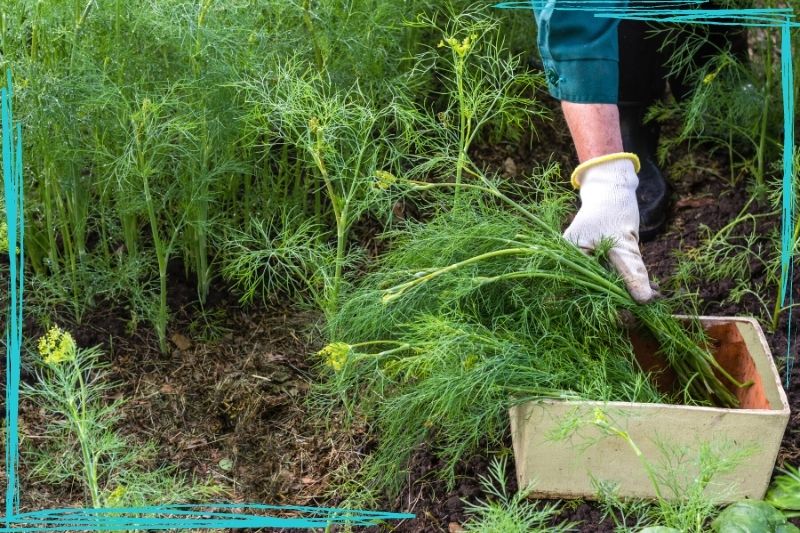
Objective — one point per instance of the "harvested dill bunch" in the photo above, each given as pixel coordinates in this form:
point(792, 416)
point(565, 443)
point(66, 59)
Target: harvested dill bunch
point(483, 307)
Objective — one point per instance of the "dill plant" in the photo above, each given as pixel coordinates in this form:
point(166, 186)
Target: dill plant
point(734, 108)
point(738, 252)
point(282, 255)
point(84, 70)
point(343, 143)
point(484, 87)
point(512, 513)
point(483, 307)
point(83, 443)
point(687, 486)
point(734, 103)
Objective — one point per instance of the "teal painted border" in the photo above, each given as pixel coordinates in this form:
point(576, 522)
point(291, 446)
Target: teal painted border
point(213, 516)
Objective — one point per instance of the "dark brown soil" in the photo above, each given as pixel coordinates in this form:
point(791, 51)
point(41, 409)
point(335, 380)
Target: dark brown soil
point(228, 401)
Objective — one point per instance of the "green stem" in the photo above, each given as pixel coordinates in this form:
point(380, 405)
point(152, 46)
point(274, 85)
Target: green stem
point(462, 124)
point(397, 291)
point(79, 419)
point(421, 186)
point(762, 144)
point(341, 242)
point(80, 18)
point(309, 24)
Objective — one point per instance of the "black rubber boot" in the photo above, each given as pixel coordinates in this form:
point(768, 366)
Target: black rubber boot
point(653, 191)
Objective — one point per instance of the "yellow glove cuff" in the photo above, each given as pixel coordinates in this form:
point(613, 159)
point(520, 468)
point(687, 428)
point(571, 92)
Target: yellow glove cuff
point(603, 159)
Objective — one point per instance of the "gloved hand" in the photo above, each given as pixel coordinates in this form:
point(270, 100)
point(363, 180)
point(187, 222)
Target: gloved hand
point(609, 209)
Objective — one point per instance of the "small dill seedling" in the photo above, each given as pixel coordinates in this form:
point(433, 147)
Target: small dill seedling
point(512, 513)
point(83, 442)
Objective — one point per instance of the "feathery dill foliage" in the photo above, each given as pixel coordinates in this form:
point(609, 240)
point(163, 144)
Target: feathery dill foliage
point(735, 103)
point(157, 129)
point(483, 307)
point(511, 513)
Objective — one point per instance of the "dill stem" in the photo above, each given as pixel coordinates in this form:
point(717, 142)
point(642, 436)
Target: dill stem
point(762, 143)
point(421, 185)
point(78, 417)
point(399, 289)
point(462, 119)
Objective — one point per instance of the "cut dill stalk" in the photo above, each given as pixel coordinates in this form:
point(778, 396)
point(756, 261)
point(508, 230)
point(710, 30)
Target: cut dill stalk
point(494, 307)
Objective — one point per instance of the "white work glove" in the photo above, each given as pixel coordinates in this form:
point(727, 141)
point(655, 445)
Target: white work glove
point(609, 209)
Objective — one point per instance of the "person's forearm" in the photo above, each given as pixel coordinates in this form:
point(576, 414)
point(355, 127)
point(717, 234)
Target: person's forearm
point(594, 129)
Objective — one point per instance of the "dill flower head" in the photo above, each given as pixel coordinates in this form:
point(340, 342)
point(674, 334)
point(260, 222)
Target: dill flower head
point(460, 48)
point(3, 237)
point(115, 497)
point(600, 417)
point(56, 346)
point(470, 362)
point(335, 354)
point(384, 179)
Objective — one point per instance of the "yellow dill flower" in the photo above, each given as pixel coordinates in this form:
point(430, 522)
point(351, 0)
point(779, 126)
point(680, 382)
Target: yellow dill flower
point(600, 417)
point(470, 361)
point(385, 179)
point(460, 48)
point(464, 47)
point(335, 354)
point(313, 124)
point(3, 237)
point(115, 497)
point(56, 346)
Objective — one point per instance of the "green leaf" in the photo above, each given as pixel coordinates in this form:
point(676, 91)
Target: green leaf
point(785, 490)
point(751, 517)
point(226, 464)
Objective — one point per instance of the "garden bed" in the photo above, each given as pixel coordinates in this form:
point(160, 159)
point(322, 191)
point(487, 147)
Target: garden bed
point(190, 399)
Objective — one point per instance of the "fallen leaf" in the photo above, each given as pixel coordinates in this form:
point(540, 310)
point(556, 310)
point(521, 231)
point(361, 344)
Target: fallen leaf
point(181, 341)
point(455, 527)
point(510, 167)
point(225, 464)
point(308, 480)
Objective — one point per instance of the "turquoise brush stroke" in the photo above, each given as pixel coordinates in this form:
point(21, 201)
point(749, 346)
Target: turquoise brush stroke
point(196, 516)
point(782, 18)
point(12, 181)
point(789, 209)
point(145, 518)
